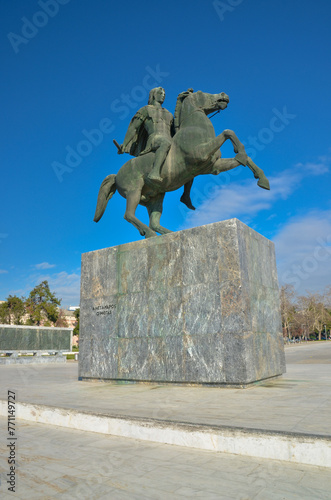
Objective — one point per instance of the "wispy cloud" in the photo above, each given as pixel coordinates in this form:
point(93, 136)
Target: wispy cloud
point(303, 243)
point(320, 167)
point(3, 271)
point(65, 286)
point(303, 250)
point(245, 199)
point(43, 265)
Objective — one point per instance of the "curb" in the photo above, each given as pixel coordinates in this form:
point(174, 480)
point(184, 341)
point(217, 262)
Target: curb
point(276, 445)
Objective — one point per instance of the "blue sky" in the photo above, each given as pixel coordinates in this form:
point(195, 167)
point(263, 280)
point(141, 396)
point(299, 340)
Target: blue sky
point(72, 66)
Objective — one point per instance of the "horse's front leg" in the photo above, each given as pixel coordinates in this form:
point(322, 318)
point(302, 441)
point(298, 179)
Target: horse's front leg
point(207, 149)
point(242, 158)
point(224, 164)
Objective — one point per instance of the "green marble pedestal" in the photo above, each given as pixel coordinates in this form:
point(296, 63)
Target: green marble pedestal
point(199, 306)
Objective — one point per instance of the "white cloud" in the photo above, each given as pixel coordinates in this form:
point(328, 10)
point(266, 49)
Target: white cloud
point(3, 271)
point(303, 244)
point(220, 202)
point(44, 265)
point(303, 251)
point(246, 199)
point(320, 167)
point(65, 286)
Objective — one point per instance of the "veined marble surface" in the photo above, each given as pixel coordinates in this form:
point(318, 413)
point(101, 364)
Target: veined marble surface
point(195, 306)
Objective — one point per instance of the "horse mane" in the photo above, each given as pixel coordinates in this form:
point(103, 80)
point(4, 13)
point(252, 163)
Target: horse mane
point(178, 108)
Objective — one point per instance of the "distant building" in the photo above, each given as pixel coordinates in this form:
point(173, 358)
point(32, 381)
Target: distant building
point(70, 318)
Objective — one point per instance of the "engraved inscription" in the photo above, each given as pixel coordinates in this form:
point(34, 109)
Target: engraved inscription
point(104, 310)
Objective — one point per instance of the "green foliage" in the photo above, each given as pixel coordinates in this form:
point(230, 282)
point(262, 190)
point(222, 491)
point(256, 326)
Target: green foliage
point(4, 314)
point(77, 315)
point(16, 309)
point(42, 305)
point(12, 311)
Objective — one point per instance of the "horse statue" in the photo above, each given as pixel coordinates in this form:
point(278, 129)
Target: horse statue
point(195, 150)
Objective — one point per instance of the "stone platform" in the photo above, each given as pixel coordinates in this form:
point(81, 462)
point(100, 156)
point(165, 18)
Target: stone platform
point(199, 306)
point(280, 419)
point(28, 360)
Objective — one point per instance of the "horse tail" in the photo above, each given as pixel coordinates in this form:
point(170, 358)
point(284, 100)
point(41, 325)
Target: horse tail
point(106, 191)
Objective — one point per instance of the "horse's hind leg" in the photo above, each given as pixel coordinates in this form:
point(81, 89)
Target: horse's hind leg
point(132, 201)
point(154, 208)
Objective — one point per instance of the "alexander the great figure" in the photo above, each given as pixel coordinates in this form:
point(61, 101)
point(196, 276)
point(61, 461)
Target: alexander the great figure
point(151, 130)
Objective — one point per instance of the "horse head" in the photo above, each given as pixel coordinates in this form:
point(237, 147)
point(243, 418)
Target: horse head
point(207, 102)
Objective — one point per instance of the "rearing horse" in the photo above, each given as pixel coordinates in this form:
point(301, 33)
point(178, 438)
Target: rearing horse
point(195, 150)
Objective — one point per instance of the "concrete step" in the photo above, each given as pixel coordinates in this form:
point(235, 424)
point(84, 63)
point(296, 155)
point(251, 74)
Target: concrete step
point(287, 446)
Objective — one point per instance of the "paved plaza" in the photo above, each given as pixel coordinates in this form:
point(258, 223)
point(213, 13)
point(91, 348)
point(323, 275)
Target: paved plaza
point(299, 401)
point(56, 462)
point(69, 464)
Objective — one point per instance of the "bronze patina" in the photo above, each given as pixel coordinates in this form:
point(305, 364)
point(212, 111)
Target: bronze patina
point(168, 152)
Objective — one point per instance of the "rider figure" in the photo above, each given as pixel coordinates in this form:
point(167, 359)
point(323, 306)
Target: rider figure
point(151, 129)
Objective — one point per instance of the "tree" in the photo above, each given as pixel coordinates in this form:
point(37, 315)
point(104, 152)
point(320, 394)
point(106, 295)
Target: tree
point(287, 308)
point(12, 310)
point(305, 315)
point(16, 309)
point(327, 304)
point(61, 321)
point(4, 314)
point(312, 313)
point(42, 305)
point(77, 314)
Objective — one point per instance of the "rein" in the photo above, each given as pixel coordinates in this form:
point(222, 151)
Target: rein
point(214, 113)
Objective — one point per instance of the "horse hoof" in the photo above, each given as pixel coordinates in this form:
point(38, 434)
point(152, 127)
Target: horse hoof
point(187, 202)
point(150, 234)
point(264, 183)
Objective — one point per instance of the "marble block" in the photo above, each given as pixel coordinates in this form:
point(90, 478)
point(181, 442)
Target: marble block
point(199, 306)
point(35, 338)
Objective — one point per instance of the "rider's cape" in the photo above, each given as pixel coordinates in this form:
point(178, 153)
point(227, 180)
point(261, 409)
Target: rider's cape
point(138, 143)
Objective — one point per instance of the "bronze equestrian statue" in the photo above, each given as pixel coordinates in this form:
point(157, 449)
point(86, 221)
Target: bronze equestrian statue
point(169, 153)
